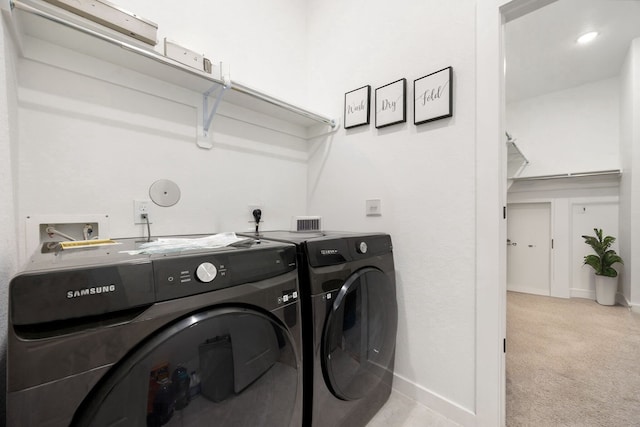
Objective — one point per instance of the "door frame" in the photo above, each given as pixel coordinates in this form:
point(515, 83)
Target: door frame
point(491, 191)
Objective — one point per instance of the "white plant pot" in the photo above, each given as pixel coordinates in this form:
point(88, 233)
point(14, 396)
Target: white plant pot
point(606, 288)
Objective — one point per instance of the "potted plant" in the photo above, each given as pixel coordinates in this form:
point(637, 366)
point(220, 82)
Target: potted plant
point(602, 262)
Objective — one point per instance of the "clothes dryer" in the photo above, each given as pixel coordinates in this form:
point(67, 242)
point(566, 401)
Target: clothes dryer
point(350, 316)
point(102, 338)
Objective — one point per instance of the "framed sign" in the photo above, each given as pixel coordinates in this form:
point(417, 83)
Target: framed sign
point(433, 96)
point(391, 104)
point(356, 107)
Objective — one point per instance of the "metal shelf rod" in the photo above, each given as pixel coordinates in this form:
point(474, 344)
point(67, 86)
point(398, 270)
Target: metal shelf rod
point(570, 175)
point(239, 87)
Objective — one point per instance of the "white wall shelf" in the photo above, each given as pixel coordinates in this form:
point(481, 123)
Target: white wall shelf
point(603, 173)
point(39, 20)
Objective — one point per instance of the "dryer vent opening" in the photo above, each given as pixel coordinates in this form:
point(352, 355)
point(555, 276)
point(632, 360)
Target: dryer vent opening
point(306, 223)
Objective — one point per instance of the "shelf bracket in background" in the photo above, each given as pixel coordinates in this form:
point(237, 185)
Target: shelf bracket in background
point(207, 116)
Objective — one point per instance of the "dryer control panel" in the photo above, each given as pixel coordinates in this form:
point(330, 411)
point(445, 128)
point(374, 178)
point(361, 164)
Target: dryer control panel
point(323, 252)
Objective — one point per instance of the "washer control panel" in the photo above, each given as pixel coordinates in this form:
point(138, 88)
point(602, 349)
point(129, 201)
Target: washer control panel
point(182, 276)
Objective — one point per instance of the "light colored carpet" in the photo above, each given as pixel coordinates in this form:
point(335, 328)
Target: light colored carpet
point(571, 362)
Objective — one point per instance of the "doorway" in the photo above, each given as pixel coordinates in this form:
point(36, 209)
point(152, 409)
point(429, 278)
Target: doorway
point(529, 248)
point(556, 147)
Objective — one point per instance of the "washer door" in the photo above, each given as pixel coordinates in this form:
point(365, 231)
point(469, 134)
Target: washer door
point(360, 334)
point(227, 366)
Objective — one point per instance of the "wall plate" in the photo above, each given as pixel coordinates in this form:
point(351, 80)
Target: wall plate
point(373, 207)
point(164, 193)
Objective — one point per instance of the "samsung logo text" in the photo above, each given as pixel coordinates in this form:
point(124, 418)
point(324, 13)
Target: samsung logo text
point(328, 251)
point(91, 291)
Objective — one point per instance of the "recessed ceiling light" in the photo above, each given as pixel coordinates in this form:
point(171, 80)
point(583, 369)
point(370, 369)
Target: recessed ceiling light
point(587, 37)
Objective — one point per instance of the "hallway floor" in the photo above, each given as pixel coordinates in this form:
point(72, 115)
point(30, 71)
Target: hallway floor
point(571, 362)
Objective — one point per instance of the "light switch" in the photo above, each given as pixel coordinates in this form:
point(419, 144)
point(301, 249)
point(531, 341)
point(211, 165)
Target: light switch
point(373, 207)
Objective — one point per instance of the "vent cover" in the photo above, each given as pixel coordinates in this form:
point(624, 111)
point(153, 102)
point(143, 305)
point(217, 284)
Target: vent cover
point(306, 223)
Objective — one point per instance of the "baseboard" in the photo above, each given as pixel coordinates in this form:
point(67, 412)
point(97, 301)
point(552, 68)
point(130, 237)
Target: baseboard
point(582, 293)
point(527, 290)
point(433, 401)
point(622, 300)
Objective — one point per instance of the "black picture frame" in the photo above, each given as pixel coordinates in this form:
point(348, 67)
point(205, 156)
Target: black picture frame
point(433, 96)
point(391, 103)
point(356, 107)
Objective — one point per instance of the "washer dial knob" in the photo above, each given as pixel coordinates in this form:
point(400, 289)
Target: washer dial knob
point(206, 272)
point(362, 247)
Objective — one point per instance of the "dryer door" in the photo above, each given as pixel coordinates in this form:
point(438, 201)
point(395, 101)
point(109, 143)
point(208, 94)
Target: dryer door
point(360, 334)
point(223, 367)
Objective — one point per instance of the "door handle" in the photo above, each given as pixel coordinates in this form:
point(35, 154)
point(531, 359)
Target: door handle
point(532, 246)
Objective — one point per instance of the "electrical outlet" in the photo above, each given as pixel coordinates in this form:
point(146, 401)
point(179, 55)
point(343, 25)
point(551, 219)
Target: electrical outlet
point(140, 208)
point(251, 209)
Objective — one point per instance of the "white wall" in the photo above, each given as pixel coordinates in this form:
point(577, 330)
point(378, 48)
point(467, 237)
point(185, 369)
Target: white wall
point(569, 131)
point(94, 137)
point(263, 42)
point(630, 184)
point(8, 156)
point(424, 176)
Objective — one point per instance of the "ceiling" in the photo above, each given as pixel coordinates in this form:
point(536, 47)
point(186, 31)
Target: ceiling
point(542, 55)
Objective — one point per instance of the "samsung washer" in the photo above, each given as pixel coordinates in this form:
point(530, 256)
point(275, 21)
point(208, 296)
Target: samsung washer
point(347, 282)
point(102, 338)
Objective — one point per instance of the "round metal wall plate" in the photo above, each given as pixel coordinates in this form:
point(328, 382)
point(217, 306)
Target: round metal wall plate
point(164, 193)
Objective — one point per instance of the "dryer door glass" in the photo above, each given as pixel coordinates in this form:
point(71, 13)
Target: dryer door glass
point(223, 367)
point(359, 335)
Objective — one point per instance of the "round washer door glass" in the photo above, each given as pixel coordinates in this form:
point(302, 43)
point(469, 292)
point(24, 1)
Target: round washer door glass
point(223, 367)
point(360, 334)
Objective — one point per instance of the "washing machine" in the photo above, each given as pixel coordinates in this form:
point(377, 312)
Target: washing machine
point(101, 337)
point(348, 295)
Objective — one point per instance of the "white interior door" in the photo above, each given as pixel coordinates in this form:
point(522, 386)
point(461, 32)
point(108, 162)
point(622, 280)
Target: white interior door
point(529, 247)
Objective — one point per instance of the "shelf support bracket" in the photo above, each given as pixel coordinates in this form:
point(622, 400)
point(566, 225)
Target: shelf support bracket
point(207, 116)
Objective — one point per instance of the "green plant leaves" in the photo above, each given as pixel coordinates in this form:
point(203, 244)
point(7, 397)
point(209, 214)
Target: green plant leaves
point(604, 259)
point(593, 261)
